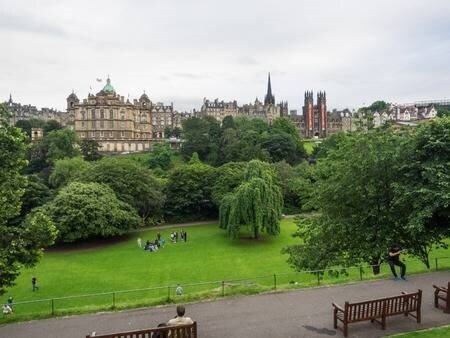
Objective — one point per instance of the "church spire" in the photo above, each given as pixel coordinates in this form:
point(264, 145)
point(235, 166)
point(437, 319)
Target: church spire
point(269, 99)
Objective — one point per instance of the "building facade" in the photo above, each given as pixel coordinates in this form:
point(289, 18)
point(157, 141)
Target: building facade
point(119, 125)
point(267, 111)
point(27, 111)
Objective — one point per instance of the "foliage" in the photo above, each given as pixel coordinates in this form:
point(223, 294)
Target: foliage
point(56, 145)
point(87, 210)
point(132, 184)
point(188, 193)
point(257, 203)
point(160, 157)
point(172, 132)
point(90, 150)
point(442, 111)
point(355, 196)
point(423, 193)
point(19, 243)
point(228, 177)
point(377, 106)
point(36, 194)
point(67, 170)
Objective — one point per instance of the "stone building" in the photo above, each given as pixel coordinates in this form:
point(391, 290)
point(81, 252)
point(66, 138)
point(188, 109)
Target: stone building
point(119, 125)
point(317, 122)
point(27, 111)
point(267, 111)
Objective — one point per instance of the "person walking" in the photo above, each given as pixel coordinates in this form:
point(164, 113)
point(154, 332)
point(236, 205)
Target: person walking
point(139, 242)
point(34, 284)
point(394, 259)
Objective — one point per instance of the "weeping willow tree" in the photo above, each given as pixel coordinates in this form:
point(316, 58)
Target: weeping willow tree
point(256, 203)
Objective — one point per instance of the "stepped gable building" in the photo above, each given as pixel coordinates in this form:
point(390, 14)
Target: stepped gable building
point(119, 125)
point(267, 111)
point(26, 112)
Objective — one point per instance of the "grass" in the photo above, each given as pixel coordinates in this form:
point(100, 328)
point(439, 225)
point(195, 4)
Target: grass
point(200, 265)
point(439, 332)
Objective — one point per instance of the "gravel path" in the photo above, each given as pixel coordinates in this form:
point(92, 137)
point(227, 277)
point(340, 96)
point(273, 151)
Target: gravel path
point(300, 313)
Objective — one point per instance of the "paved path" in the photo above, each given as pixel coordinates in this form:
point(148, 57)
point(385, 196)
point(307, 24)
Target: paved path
point(300, 313)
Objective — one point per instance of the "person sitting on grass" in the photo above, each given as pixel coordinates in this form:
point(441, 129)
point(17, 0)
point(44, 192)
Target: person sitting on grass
point(180, 319)
point(163, 242)
point(6, 309)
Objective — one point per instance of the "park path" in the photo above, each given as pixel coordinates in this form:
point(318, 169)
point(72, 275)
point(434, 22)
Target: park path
point(299, 313)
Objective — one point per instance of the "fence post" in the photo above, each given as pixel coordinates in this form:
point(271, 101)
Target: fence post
point(436, 262)
point(360, 273)
point(274, 281)
point(53, 307)
point(223, 288)
point(168, 293)
point(113, 299)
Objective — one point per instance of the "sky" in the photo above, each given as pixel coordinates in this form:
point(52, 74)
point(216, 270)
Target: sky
point(181, 51)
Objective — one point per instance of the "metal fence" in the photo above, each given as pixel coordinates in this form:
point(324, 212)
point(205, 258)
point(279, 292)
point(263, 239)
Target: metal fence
point(195, 291)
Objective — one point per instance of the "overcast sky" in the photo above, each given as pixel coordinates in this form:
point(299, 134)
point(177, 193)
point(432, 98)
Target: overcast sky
point(183, 50)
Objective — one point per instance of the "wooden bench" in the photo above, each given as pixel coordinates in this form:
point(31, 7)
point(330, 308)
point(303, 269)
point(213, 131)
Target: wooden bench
point(179, 331)
point(378, 309)
point(442, 293)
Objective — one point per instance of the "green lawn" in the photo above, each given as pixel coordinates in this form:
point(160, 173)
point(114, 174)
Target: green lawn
point(208, 258)
point(439, 332)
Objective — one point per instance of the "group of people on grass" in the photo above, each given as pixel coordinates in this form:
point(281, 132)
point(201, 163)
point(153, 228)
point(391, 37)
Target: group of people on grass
point(160, 242)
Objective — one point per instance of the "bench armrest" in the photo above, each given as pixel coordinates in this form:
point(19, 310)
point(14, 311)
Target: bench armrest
point(440, 288)
point(337, 307)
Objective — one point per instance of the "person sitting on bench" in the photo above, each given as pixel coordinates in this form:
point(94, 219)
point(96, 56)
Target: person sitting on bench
point(180, 319)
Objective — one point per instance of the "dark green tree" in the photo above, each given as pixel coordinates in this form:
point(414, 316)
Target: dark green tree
point(160, 157)
point(90, 150)
point(256, 203)
point(228, 177)
point(20, 244)
point(89, 210)
point(67, 170)
point(132, 184)
point(188, 193)
point(355, 197)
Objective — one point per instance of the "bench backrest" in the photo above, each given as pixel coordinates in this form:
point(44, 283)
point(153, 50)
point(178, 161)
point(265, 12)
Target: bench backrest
point(364, 310)
point(407, 302)
point(179, 331)
point(360, 311)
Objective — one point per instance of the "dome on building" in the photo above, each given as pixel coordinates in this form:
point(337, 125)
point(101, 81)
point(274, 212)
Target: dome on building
point(108, 88)
point(144, 97)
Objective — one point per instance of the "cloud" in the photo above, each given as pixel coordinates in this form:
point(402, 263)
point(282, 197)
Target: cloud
point(182, 51)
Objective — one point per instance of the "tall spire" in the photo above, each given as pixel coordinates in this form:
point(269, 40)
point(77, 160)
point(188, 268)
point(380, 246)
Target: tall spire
point(269, 99)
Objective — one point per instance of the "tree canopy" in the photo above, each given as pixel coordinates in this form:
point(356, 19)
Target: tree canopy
point(256, 203)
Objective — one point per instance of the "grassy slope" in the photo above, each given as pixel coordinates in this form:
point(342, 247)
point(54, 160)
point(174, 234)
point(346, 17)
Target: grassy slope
point(440, 332)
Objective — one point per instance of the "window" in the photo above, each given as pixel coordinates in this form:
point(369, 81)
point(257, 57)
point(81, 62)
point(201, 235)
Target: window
point(122, 134)
point(93, 124)
point(92, 134)
point(102, 124)
point(93, 114)
point(82, 124)
point(102, 114)
point(101, 134)
point(111, 114)
point(122, 124)
point(122, 115)
point(111, 124)
point(83, 135)
point(83, 115)
point(110, 134)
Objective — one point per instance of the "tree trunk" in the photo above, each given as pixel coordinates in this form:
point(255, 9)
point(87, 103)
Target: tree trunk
point(255, 232)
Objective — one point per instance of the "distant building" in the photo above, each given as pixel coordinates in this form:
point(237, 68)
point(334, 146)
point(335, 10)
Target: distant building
point(27, 111)
point(267, 111)
point(119, 125)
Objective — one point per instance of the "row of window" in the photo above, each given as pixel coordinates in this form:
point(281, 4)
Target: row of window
point(122, 134)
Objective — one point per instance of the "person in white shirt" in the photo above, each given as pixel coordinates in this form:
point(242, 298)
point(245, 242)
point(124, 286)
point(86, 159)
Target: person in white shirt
point(180, 319)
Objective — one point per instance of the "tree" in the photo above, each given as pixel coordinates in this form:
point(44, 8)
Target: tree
point(67, 170)
point(89, 210)
point(62, 143)
point(442, 111)
point(281, 146)
point(132, 184)
point(188, 193)
point(256, 203)
point(20, 244)
point(423, 193)
point(90, 150)
point(228, 177)
point(355, 197)
point(26, 125)
point(51, 125)
point(160, 157)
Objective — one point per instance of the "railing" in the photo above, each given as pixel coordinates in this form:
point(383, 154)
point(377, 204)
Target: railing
point(202, 290)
